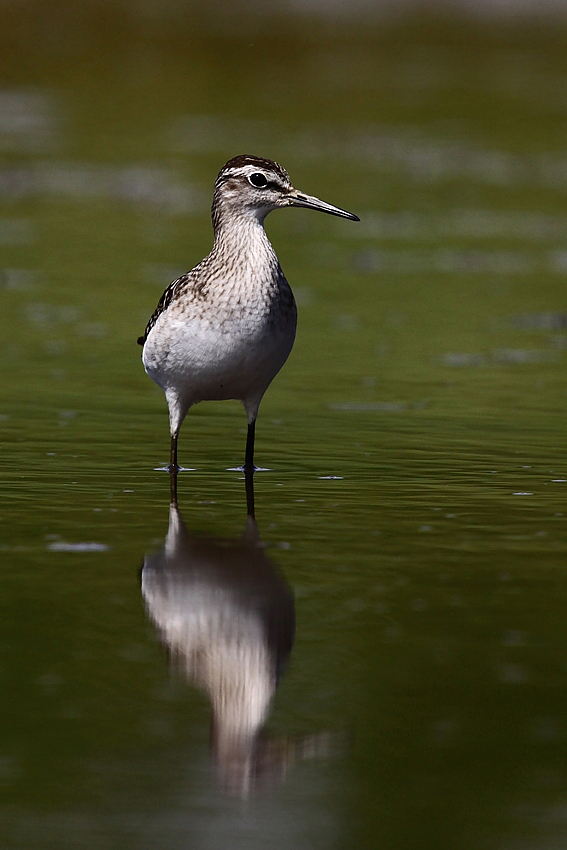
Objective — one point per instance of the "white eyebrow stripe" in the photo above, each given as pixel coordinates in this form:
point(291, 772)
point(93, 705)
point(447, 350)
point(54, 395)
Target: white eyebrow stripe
point(241, 171)
point(271, 177)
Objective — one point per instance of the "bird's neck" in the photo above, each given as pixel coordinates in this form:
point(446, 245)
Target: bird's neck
point(241, 241)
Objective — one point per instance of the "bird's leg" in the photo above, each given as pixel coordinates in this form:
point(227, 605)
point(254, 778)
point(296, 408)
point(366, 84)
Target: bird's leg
point(249, 481)
point(249, 467)
point(173, 486)
point(173, 468)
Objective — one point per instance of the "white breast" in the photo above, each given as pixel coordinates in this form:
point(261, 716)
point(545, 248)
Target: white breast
point(229, 344)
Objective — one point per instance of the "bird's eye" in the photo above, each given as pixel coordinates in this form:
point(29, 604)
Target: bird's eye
point(258, 180)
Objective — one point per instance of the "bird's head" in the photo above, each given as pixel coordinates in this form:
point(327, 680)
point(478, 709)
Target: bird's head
point(252, 185)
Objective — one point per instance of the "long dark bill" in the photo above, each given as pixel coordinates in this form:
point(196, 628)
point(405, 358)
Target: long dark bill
point(297, 199)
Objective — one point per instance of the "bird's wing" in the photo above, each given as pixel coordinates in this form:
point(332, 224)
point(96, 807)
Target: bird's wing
point(183, 285)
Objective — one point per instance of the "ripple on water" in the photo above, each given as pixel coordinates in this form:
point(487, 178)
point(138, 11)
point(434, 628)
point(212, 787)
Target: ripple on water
point(61, 546)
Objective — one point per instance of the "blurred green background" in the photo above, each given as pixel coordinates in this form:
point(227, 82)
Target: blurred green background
point(415, 439)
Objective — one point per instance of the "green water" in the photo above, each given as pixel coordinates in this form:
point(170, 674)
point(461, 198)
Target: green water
point(415, 440)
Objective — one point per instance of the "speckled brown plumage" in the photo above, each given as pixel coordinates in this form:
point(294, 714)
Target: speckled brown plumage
point(225, 329)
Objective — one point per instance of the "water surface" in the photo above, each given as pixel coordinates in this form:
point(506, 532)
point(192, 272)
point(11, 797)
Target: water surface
point(415, 500)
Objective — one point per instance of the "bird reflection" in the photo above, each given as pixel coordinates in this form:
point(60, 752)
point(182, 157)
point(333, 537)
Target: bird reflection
point(227, 616)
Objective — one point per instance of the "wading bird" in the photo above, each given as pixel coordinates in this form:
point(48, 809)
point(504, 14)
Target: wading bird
point(225, 329)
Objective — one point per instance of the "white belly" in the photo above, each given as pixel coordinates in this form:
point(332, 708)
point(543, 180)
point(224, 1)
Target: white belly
point(207, 360)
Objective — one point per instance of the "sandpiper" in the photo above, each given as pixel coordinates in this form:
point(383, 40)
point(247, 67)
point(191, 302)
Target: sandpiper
point(225, 329)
